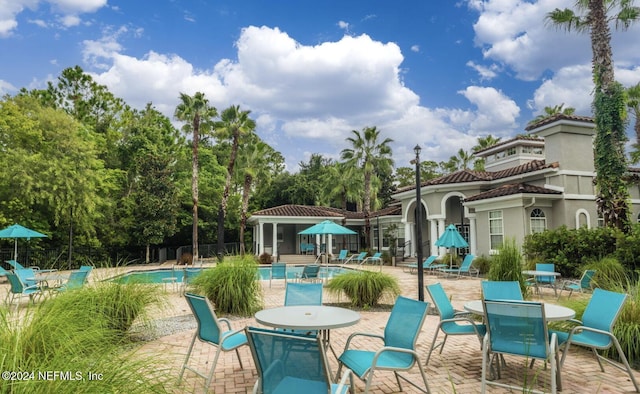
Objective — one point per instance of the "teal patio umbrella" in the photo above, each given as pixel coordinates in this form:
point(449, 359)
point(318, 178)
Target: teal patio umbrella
point(327, 227)
point(17, 231)
point(451, 238)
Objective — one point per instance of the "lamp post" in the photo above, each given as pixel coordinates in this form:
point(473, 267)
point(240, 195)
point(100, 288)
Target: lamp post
point(417, 150)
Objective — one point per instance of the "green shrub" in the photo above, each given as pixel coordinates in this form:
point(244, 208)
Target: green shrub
point(364, 288)
point(609, 273)
point(506, 265)
point(482, 263)
point(73, 332)
point(232, 286)
point(264, 258)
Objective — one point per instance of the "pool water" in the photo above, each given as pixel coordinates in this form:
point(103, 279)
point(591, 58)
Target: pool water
point(165, 275)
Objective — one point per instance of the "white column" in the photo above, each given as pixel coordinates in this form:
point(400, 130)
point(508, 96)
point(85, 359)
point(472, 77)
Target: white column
point(473, 242)
point(440, 232)
point(275, 239)
point(407, 236)
point(433, 235)
point(261, 238)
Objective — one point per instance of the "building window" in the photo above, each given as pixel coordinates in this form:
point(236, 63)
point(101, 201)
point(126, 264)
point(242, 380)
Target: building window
point(496, 231)
point(538, 221)
point(510, 152)
point(600, 221)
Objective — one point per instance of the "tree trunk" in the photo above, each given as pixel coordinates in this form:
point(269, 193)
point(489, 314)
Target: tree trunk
point(246, 189)
point(601, 45)
point(222, 212)
point(194, 185)
point(367, 208)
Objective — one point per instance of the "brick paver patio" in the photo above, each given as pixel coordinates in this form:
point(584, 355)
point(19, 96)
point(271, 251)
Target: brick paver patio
point(456, 370)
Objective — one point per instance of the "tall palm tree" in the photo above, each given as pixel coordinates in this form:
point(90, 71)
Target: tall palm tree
point(594, 16)
point(343, 185)
point(483, 143)
point(234, 124)
point(633, 103)
point(371, 157)
point(197, 114)
point(253, 163)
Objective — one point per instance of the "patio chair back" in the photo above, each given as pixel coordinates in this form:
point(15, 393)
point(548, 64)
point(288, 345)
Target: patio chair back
point(278, 271)
point(303, 294)
point(466, 263)
point(19, 289)
point(27, 276)
point(547, 280)
point(404, 325)
point(77, 279)
point(342, 256)
point(518, 328)
point(88, 268)
point(501, 290)
point(310, 271)
point(596, 329)
point(585, 281)
point(15, 264)
point(283, 370)
point(211, 332)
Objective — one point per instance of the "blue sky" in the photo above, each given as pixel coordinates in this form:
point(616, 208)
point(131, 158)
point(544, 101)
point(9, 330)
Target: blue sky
point(435, 73)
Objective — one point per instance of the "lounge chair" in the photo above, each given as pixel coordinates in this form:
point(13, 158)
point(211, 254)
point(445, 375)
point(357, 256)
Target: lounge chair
point(452, 322)
point(595, 330)
point(211, 331)
point(375, 259)
point(356, 258)
point(341, 257)
point(398, 352)
point(465, 268)
point(283, 370)
point(278, 271)
point(17, 265)
point(582, 285)
point(77, 280)
point(518, 328)
point(427, 265)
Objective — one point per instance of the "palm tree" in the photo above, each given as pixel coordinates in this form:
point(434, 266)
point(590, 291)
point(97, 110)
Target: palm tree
point(370, 157)
point(483, 143)
point(234, 125)
point(343, 185)
point(197, 113)
point(253, 162)
point(550, 111)
point(608, 104)
point(633, 103)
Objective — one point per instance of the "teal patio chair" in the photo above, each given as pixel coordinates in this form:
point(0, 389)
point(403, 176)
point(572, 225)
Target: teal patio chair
point(501, 290)
point(595, 330)
point(19, 289)
point(582, 285)
point(211, 331)
point(465, 268)
point(356, 258)
point(27, 276)
point(342, 256)
point(278, 271)
point(452, 322)
point(544, 281)
point(17, 265)
point(428, 265)
point(310, 273)
point(518, 328)
point(188, 276)
point(77, 280)
point(280, 370)
point(398, 352)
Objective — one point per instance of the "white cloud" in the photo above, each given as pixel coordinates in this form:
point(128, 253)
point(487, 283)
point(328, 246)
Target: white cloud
point(308, 98)
point(77, 6)
point(9, 9)
point(415, 48)
point(571, 86)
point(486, 73)
point(6, 88)
point(496, 113)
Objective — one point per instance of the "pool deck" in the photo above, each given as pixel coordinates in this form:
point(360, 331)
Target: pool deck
point(456, 370)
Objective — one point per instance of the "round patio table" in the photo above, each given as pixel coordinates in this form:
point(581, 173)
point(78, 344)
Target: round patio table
point(309, 318)
point(552, 312)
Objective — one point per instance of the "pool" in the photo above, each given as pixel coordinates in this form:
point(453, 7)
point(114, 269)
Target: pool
point(163, 275)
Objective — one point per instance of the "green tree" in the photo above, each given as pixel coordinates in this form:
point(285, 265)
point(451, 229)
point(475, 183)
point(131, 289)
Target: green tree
point(253, 163)
point(51, 175)
point(234, 125)
point(197, 114)
point(608, 104)
point(369, 155)
point(342, 185)
point(483, 143)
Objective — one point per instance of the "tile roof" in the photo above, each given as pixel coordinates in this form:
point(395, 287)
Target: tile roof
point(511, 189)
point(293, 210)
point(556, 117)
point(465, 176)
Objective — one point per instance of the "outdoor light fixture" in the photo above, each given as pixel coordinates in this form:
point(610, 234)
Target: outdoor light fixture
point(417, 150)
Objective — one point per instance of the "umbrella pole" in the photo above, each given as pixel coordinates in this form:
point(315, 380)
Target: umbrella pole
point(15, 249)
